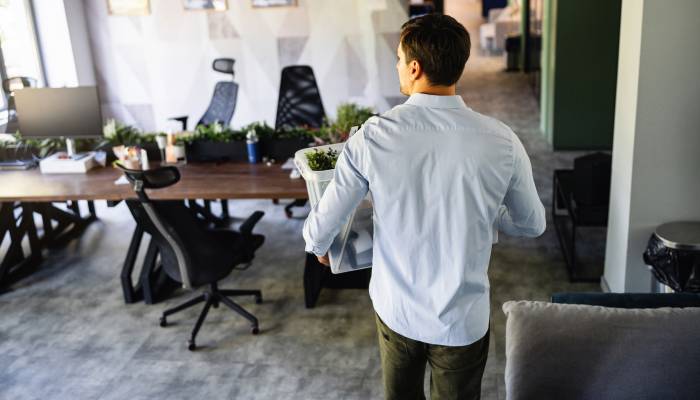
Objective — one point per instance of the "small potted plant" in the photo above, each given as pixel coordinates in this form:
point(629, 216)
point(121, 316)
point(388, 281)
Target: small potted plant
point(322, 160)
point(118, 134)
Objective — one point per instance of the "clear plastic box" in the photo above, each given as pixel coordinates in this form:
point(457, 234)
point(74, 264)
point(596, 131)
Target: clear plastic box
point(351, 250)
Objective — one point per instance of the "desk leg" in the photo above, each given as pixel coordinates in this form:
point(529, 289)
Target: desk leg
point(14, 264)
point(318, 276)
point(70, 224)
point(204, 212)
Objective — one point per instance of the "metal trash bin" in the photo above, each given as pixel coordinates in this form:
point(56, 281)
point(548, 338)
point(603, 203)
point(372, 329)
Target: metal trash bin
point(673, 253)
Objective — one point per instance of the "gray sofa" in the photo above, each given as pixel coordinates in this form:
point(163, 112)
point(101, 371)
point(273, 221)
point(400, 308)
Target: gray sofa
point(574, 351)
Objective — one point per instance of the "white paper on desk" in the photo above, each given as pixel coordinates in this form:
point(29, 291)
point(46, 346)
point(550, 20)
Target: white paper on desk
point(121, 181)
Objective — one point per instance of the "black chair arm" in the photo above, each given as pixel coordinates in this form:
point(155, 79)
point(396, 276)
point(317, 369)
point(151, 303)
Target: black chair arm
point(247, 226)
point(181, 119)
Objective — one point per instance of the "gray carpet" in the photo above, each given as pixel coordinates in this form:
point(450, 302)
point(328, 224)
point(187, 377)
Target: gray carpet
point(65, 332)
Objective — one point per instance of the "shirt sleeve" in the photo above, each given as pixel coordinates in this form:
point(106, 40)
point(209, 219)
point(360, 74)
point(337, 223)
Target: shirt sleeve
point(342, 195)
point(522, 212)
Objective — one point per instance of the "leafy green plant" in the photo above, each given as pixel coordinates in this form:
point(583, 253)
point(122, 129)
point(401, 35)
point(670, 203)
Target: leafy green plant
point(262, 129)
point(296, 133)
point(320, 160)
point(45, 147)
point(116, 134)
point(349, 115)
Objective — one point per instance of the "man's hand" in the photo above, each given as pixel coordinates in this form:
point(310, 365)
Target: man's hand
point(324, 260)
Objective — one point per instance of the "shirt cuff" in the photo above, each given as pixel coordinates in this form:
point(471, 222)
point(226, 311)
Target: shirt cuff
point(317, 249)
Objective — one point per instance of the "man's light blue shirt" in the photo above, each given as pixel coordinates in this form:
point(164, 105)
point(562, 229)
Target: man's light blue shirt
point(443, 178)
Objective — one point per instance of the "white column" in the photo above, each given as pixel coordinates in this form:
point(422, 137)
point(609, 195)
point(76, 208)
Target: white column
point(656, 149)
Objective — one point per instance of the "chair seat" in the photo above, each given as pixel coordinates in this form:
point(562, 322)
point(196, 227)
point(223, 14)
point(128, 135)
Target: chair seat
point(226, 249)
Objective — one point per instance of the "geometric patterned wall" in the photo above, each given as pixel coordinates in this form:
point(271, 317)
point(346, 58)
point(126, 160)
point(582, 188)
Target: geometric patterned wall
point(150, 68)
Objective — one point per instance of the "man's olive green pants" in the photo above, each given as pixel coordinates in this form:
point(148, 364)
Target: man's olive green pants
point(456, 371)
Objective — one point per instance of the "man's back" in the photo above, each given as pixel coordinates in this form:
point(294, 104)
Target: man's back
point(438, 173)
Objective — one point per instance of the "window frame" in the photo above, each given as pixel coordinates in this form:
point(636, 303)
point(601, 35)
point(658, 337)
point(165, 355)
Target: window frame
point(29, 7)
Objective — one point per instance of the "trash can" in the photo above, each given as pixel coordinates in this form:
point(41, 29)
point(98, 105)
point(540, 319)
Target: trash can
point(673, 253)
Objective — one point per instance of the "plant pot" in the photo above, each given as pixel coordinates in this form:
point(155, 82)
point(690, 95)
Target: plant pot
point(282, 149)
point(204, 150)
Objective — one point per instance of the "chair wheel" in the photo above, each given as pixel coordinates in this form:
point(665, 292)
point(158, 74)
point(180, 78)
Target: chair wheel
point(255, 330)
point(288, 213)
point(163, 322)
point(258, 300)
point(191, 345)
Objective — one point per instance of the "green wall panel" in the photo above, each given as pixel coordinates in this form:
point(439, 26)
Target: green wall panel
point(580, 113)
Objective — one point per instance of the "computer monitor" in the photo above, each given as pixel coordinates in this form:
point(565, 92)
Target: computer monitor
point(59, 112)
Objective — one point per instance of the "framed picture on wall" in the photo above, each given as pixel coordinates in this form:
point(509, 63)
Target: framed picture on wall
point(273, 3)
point(129, 7)
point(205, 5)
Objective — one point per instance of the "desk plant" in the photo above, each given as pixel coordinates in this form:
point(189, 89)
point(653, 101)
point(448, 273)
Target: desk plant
point(322, 160)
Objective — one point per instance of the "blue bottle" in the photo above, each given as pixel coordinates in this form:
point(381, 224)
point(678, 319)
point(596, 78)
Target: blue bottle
point(252, 145)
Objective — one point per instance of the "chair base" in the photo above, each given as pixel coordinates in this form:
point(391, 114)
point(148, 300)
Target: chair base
point(213, 297)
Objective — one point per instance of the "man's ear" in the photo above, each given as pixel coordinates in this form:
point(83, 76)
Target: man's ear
point(415, 70)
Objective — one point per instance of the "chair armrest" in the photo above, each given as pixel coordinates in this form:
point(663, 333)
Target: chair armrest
point(629, 300)
point(182, 119)
point(247, 226)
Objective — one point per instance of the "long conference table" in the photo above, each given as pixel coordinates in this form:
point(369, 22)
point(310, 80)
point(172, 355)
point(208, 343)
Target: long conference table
point(25, 195)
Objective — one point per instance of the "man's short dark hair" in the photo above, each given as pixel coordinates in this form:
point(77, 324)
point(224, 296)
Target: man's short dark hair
point(440, 44)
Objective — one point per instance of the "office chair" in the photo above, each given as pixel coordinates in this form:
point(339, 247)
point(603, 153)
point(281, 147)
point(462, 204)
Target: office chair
point(299, 104)
point(190, 253)
point(221, 109)
point(223, 100)
point(9, 86)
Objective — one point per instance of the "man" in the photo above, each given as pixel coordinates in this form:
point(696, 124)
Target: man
point(442, 178)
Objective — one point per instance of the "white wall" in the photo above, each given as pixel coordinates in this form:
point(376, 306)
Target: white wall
point(656, 151)
point(153, 67)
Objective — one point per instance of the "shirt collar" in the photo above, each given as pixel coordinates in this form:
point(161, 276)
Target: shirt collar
point(433, 101)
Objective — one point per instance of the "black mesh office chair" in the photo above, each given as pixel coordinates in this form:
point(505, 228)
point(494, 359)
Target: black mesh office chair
point(189, 252)
point(221, 109)
point(223, 100)
point(299, 104)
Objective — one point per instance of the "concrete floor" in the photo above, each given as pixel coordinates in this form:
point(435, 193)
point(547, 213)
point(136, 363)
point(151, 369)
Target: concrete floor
point(65, 332)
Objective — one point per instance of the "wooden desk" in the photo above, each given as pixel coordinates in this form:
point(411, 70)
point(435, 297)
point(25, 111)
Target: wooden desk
point(26, 194)
point(199, 181)
point(32, 192)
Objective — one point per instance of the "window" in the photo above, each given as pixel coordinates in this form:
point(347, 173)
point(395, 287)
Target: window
point(19, 55)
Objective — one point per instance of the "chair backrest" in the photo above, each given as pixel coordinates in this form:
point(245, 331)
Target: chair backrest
point(299, 102)
point(166, 221)
point(222, 105)
point(223, 101)
point(10, 85)
point(572, 351)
